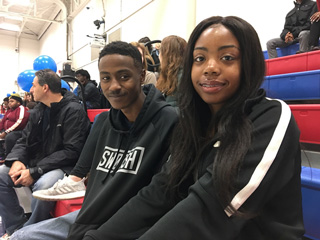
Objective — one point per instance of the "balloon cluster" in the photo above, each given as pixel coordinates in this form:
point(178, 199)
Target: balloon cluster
point(26, 77)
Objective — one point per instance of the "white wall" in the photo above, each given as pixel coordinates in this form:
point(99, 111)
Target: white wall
point(267, 17)
point(54, 43)
point(12, 63)
point(136, 18)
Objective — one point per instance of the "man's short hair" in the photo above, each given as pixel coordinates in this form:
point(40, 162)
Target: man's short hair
point(49, 77)
point(125, 49)
point(6, 99)
point(84, 73)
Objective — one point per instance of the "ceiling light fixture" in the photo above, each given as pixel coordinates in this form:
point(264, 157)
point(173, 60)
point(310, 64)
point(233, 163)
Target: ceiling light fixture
point(10, 27)
point(11, 17)
point(20, 2)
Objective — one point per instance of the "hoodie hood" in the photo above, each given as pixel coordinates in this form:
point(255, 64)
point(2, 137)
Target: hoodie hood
point(153, 103)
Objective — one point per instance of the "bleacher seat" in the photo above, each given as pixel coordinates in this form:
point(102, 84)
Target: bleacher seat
point(92, 113)
point(286, 51)
point(307, 117)
point(294, 63)
point(290, 50)
point(66, 206)
point(310, 187)
point(294, 86)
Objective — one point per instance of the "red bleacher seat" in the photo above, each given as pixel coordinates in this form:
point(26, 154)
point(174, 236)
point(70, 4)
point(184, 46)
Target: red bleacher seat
point(94, 112)
point(66, 206)
point(293, 63)
point(307, 117)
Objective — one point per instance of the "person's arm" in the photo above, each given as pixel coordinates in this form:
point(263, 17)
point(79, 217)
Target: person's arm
point(274, 152)
point(21, 114)
point(19, 151)
point(83, 165)
point(74, 132)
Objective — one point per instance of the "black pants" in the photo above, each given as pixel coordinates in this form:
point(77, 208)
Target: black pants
point(9, 142)
point(314, 34)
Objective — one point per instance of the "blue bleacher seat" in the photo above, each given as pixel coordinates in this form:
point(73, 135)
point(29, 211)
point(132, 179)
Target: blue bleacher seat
point(310, 187)
point(293, 86)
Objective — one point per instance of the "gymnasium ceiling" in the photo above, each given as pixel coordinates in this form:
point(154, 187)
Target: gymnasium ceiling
point(32, 18)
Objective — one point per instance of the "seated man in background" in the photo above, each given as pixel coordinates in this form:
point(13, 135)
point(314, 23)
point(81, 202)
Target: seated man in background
point(315, 29)
point(91, 92)
point(13, 122)
point(49, 147)
point(296, 28)
point(125, 148)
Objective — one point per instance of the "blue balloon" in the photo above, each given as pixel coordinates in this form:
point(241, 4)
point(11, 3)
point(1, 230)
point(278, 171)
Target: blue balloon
point(65, 85)
point(44, 62)
point(25, 79)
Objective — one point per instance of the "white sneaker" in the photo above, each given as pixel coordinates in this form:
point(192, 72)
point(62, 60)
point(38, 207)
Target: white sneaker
point(64, 189)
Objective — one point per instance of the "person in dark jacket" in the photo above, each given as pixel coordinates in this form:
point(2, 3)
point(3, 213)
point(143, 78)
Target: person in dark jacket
point(296, 28)
point(315, 29)
point(91, 92)
point(125, 147)
point(234, 169)
point(49, 148)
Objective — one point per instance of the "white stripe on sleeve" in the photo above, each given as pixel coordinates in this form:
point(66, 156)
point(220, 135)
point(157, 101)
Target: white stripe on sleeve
point(266, 161)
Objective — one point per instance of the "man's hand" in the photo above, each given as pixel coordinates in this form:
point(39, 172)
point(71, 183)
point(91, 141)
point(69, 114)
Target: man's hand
point(25, 178)
point(3, 135)
point(289, 37)
point(16, 167)
point(315, 17)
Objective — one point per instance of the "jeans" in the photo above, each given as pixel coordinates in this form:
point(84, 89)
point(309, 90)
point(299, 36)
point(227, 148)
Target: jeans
point(51, 229)
point(303, 40)
point(10, 210)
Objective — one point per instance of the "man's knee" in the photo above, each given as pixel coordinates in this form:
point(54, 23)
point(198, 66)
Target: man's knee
point(304, 34)
point(272, 44)
point(4, 174)
point(48, 179)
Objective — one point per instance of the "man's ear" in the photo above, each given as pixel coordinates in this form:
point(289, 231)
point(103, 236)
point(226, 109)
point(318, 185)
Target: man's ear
point(45, 88)
point(143, 76)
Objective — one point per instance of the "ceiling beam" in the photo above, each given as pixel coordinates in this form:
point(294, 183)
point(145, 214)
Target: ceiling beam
point(29, 17)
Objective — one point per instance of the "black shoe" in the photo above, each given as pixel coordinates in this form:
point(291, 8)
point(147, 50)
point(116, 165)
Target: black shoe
point(299, 51)
point(316, 48)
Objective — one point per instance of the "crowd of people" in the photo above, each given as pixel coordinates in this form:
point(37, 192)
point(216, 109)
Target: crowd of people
point(191, 148)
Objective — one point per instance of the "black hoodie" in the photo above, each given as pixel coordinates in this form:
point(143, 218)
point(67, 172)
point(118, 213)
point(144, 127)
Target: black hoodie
point(134, 153)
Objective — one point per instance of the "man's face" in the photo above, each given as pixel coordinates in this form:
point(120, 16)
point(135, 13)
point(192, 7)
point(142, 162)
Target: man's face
point(13, 104)
point(82, 79)
point(37, 90)
point(121, 81)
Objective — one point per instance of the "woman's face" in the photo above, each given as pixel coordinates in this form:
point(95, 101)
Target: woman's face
point(216, 66)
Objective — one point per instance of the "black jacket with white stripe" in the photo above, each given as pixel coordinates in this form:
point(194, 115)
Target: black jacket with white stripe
point(268, 185)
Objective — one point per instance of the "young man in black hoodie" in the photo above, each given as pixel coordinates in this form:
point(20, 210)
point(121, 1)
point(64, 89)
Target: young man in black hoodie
point(91, 92)
point(126, 146)
point(50, 146)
